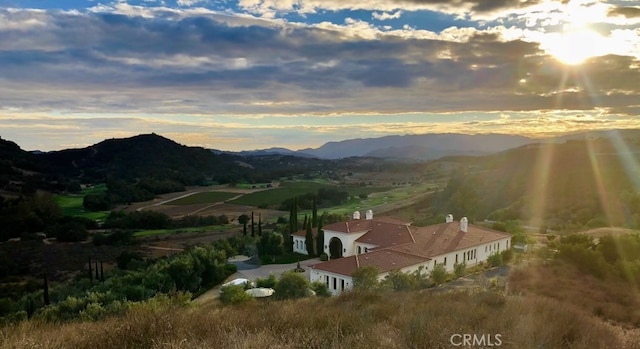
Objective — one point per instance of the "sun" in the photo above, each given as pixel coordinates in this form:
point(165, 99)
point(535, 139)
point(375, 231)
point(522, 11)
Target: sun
point(573, 46)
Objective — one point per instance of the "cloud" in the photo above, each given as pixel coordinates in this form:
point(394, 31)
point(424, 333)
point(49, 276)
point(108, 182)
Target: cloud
point(384, 16)
point(627, 12)
point(179, 64)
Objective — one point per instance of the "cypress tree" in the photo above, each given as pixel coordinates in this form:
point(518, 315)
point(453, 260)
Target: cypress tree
point(90, 270)
point(101, 271)
point(314, 212)
point(97, 275)
point(304, 225)
point(253, 230)
point(320, 238)
point(46, 290)
point(260, 224)
point(309, 240)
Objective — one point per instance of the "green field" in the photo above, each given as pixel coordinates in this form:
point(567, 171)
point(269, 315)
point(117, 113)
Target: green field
point(208, 197)
point(71, 204)
point(274, 197)
point(211, 228)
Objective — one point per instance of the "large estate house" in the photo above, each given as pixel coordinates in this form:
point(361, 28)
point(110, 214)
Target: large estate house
point(391, 244)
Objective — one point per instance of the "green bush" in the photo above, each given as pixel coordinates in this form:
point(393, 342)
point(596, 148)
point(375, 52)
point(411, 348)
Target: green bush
point(324, 257)
point(234, 294)
point(321, 289)
point(292, 285)
point(439, 274)
point(495, 260)
point(269, 282)
point(459, 269)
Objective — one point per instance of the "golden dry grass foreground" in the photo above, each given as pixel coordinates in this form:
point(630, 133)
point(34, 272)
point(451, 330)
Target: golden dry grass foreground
point(371, 320)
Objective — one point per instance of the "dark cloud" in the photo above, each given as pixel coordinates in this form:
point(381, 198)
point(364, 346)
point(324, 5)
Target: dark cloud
point(627, 12)
point(127, 63)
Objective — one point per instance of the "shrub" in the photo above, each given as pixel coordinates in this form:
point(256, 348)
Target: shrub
point(234, 294)
point(269, 282)
point(495, 260)
point(321, 289)
point(399, 281)
point(324, 257)
point(439, 274)
point(292, 285)
point(366, 278)
point(459, 269)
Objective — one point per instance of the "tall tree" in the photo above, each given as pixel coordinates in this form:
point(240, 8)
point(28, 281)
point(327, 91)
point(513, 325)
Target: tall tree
point(306, 220)
point(320, 238)
point(90, 270)
point(314, 212)
point(309, 240)
point(253, 229)
point(101, 271)
point(97, 275)
point(243, 219)
point(259, 224)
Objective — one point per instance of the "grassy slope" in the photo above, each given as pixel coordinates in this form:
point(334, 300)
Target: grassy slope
point(383, 320)
point(71, 204)
point(212, 228)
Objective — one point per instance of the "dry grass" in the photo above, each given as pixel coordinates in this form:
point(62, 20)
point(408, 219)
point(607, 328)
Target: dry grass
point(387, 320)
point(611, 300)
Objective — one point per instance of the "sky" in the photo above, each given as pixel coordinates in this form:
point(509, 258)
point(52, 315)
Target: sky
point(255, 74)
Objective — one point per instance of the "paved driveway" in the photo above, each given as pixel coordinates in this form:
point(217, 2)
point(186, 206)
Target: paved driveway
point(252, 272)
point(247, 269)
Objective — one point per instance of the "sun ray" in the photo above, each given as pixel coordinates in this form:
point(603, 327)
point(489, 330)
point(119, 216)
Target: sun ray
point(539, 186)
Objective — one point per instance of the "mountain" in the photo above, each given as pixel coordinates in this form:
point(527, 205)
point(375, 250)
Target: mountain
point(148, 155)
point(419, 147)
point(270, 151)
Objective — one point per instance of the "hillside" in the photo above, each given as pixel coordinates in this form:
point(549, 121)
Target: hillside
point(148, 155)
point(371, 320)
point(577, 183)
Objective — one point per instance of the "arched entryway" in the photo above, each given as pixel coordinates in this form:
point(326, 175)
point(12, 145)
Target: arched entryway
point(335, 248)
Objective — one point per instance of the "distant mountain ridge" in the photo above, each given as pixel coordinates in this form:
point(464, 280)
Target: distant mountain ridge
point(430, 146)
point(407, 147)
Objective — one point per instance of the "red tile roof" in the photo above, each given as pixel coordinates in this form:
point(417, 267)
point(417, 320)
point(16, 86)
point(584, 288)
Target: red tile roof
point(385, 234)
point(437, 239)
point(402, 245)
point(383, 260)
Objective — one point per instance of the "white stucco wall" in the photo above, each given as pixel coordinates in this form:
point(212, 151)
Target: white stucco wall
point(335, 282)
point(348, 241)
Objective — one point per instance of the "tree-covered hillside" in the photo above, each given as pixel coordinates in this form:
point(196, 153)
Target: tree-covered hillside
point(573, 184)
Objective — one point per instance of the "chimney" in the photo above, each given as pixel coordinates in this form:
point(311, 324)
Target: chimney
point(369, 215)
point(464, 224)
point(449, 218)
point(356, 215)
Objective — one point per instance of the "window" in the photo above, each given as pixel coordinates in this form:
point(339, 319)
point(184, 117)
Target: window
point(334, 280)
point(342, 284)
point(359, 250)
point(366, 249)
point(456, 258)
point(445, 261)
point(326, 280)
